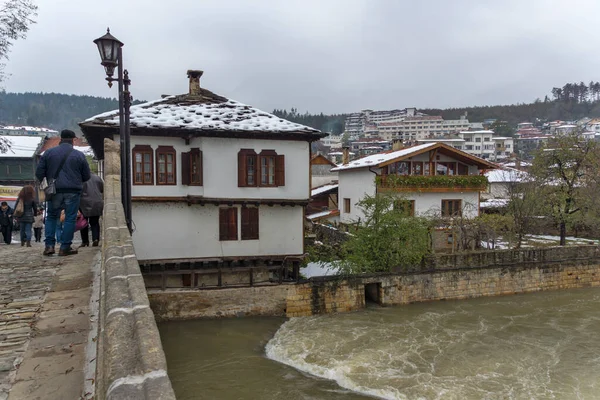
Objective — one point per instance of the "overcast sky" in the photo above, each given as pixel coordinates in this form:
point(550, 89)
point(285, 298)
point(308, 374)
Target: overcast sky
point(318, 56)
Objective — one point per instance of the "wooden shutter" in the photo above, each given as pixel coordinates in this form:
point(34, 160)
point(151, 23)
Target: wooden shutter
point(185, 169)
point(200, 168)
point(280, 170)
point(242, 169)
point(228, 223)
point(249, 223)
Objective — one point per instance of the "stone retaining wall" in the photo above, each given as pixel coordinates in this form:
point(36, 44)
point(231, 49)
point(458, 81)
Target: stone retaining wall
point(131, 362)
point(441, 277)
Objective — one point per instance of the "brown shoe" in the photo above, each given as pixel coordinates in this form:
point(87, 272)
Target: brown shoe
point(95, 243)
point(85, 245)
point(22, 243)
point(67, 252)
point(29, 243)
point(48, 251)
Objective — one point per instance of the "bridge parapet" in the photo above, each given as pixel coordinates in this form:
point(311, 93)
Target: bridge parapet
point(131, 362)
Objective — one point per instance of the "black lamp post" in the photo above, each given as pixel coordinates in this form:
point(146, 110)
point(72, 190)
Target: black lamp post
point(111, 53)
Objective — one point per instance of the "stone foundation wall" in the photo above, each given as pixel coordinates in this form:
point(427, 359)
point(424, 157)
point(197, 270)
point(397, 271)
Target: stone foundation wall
point(442, 277)
point(131, 363)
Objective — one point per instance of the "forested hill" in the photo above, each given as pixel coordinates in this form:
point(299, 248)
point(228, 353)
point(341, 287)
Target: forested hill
point(51, 110)
point(513, 114)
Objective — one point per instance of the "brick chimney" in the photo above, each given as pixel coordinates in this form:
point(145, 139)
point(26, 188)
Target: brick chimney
point(345, 155)
point(194, 76)
point(397, 144)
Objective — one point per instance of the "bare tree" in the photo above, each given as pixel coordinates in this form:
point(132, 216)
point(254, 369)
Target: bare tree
point(561, 169)
point(15, 18)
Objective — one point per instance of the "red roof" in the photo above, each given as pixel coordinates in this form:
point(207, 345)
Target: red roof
point(55, 141)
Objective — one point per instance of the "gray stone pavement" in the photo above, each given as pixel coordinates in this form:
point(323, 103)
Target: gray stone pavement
point(45, 322)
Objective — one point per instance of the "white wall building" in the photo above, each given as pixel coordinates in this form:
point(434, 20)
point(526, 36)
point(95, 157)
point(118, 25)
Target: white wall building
point(375, 174)
point(479, 143)
point(213, 178)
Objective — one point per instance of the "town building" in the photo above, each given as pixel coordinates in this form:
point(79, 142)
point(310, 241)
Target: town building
point(18, 162)
point(479, 143)
point(320, 171)
point(332, 141)
point(214, 181)
point(428, 179)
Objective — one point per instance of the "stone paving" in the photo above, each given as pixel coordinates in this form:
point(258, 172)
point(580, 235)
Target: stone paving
point(44, 322)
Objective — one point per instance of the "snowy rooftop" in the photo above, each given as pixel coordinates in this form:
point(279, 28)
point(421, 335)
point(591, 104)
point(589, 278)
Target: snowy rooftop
point(322, 189)
point(501, 138)
point(21, 146)
point(494, 203)
point(322, 214)
point(28, 128)
point(202, 111)
point(376, 159)
point(506, 175)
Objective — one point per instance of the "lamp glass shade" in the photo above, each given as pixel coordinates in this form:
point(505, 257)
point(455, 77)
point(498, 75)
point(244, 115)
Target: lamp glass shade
point(108, 47)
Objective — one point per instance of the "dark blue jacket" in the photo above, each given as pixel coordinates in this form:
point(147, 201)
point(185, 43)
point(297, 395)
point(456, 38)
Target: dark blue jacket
point(75, 171)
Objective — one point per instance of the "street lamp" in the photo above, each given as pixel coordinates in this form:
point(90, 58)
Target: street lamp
point(111, 54)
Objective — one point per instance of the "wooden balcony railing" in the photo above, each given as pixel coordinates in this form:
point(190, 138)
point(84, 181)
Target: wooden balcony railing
point(431, 183)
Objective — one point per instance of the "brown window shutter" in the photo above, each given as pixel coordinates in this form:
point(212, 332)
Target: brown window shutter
point(228, 223)
point(245, 223)
point(201, 169)
point(249, 223)
point(241, 169)
point(223, 227)
point(185, 169)
point(280, 170)
point(232, 224)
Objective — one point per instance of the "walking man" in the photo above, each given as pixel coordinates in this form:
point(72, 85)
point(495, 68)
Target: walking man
point(70, 169)
point(6, 221)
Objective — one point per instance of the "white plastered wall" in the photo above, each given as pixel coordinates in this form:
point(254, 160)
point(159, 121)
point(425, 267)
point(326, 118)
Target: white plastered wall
point(354, 184)
point(220, 168)
point(176, 230)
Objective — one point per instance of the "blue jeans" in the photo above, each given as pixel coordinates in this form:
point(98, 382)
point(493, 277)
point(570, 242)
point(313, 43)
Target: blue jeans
point(62, 201)
point(25, 231)
point(59, 226)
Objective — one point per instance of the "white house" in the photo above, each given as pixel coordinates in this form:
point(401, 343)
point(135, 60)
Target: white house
point(213, 178)
point(433, 178)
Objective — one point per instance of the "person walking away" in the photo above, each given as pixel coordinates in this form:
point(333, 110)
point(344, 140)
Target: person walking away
point(91, 207)
point(68, 169)
point(6, 221)
point(26, 201)
point(38, 224)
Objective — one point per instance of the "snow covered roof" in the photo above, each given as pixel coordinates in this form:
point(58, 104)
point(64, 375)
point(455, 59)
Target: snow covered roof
point(376, 159)
point(323, 189)
point(323, 214)
point(506, 175)
point(28, 129)
point(21, 146)
point(501, 138)
point(205, 111)
point(382, 159)
point(494, 203)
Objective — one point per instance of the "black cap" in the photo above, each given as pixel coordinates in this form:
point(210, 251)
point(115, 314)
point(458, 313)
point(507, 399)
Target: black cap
point(67, 134)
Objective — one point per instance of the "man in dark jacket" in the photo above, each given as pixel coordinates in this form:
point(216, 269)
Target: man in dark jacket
point(69, 185)
point(91, 206)
point(6, 221)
